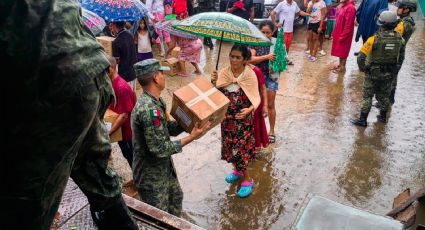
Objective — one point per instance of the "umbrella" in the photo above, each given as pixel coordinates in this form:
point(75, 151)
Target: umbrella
point(93, 21)
point(116, 10)
point(225, 27)
point(281, 61)
point(167, 26)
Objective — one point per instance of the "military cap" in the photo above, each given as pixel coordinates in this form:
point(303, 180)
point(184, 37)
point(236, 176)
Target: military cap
point(148, 66)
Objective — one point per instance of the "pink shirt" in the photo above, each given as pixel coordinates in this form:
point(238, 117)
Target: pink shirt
point(126, 99)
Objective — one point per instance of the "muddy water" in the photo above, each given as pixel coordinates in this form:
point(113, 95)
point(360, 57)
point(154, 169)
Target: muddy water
point(317, 151)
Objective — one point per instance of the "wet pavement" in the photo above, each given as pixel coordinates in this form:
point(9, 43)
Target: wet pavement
point(317, 151)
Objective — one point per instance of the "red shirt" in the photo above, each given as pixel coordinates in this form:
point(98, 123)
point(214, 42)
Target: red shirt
point(126, 100)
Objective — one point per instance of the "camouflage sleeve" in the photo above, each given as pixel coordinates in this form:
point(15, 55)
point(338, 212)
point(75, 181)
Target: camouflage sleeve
point(402, 54)
point(174, 128)
point(157, 136)
point(408, 31)
point(361, 61)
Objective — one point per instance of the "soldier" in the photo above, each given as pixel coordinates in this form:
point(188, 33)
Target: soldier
point(153, 171)
point(405, 27)
point(378, 58)
point(56, 97)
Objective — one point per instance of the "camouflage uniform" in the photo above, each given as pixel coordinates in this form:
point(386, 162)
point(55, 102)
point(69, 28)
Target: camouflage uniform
point(405, 27)
point(153, 171)
point(378, 77)
point(56, 96)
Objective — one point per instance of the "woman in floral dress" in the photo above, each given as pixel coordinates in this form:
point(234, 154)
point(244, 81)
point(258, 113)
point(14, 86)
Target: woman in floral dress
point(239, 83)
point(190, 51)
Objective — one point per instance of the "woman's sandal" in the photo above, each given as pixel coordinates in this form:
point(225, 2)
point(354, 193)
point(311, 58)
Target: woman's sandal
point(246, 188)
point(272, 139)
point(235, 175)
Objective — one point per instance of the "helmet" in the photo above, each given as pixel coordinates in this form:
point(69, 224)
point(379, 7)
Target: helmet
point(387, 19)
point(409, 4)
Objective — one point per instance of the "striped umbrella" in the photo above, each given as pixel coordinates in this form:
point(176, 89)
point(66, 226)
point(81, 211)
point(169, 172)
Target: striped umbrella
point(224, 27)
point(167, 26)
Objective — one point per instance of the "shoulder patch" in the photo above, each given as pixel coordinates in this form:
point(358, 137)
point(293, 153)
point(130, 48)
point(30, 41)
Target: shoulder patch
point(155, 112)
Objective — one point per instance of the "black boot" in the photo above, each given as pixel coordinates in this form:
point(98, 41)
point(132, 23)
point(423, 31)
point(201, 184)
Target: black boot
point(382, 117)
point(362, 121)
point(392, 97)
point(115, 217)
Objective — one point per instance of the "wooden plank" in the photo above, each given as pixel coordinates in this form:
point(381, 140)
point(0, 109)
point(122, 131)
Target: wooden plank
point(418, 195)
point(159, 217)
point(408, 215)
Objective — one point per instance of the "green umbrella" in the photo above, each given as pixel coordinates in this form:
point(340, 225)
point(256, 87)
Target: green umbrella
point(225, 27)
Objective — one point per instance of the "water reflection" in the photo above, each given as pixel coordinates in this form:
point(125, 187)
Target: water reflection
point(362, 174)
point(263, 207)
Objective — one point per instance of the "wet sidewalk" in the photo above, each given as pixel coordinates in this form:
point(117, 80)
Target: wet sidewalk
point(317, 151)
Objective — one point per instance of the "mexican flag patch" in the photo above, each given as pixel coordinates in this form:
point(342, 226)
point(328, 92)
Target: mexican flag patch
point(155, 113)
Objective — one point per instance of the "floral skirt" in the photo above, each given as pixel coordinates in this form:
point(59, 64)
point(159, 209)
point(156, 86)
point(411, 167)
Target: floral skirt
point(237, 136)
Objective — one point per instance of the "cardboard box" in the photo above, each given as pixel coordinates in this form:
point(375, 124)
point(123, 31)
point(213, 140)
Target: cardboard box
point(173, 63)
point(106, 42)
point(175, 52)
point(109, 119)
point(199, 101)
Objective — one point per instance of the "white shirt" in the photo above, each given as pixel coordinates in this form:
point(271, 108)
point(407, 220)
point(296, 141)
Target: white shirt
point(286, 13)
point(143, 43)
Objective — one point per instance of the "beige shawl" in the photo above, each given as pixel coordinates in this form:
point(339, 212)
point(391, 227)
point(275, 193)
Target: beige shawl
point(248, 82)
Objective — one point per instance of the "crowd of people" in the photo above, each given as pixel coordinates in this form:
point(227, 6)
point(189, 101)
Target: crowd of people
point(70, 109)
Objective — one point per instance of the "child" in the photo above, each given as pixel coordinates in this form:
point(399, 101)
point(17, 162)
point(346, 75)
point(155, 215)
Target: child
point(330, 24)
point(143, 42)
point(316, 26)
point(261, 56)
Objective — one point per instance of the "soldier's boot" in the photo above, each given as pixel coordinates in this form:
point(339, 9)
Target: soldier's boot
point(115, 217)
point(382, 117)
point(392, 97)
point(361, 121)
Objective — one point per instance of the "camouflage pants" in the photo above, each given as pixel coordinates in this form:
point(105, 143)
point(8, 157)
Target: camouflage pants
point(163, 193)
point(60, 134)
point(380, 88)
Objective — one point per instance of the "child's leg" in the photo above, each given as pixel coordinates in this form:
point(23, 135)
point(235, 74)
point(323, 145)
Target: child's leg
point(197, 68)
point(315, 44)
point(310, 42)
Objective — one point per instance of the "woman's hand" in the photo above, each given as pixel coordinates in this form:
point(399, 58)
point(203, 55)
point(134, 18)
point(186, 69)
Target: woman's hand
point(244, 112)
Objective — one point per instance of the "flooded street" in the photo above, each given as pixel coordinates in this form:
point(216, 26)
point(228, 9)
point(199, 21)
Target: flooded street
point(318, 151)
